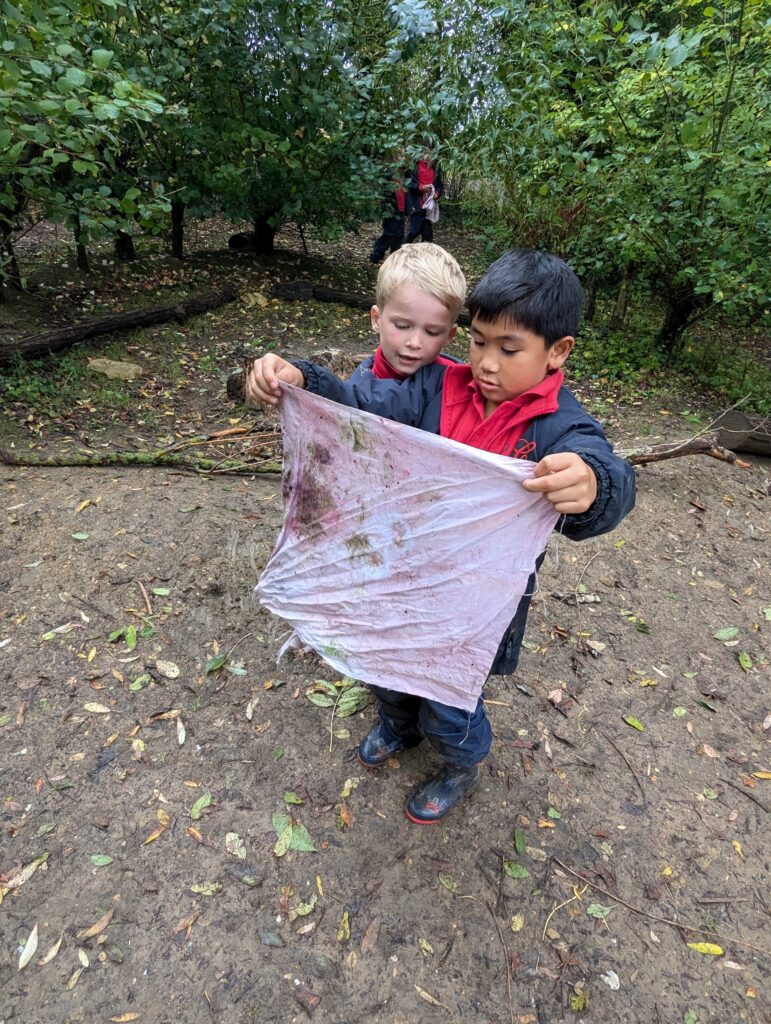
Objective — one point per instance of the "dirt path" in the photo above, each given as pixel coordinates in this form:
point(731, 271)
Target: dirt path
point(140, 792)
point(669, 819)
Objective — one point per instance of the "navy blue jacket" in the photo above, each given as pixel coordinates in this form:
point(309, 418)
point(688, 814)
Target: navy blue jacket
point(417, 402)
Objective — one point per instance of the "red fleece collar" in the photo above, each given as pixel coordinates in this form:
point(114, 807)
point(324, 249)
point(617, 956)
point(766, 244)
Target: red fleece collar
point(463, 411)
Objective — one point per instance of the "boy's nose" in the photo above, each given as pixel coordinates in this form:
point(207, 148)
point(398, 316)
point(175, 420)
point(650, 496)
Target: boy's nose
point(413, 341)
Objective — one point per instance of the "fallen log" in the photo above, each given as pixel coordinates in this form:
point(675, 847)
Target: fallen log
point(742, 432)
point(264, 456)
point(303, 290)
point(52, 341)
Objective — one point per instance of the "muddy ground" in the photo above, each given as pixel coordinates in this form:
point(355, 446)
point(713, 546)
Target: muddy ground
point(139, 790)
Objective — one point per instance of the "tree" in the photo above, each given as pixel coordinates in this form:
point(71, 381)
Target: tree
point(637, 145)
point(65, 97)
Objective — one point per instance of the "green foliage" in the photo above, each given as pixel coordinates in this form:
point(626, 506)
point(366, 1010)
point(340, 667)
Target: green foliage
point(65, 98)
point(613, 137)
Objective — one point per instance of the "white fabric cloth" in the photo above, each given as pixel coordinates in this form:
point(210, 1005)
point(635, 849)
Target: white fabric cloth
point(403, 555)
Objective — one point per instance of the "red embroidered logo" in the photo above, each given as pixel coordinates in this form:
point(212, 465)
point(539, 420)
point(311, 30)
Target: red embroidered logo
point(523, 449)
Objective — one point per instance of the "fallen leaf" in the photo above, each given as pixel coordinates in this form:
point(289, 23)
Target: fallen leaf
point(206, 888)
point(706, 947)
point(185, 925)
point(101, 860)
point(518, 922)
point(30, 947)
point(167, 669)
point(634, 722)
point(344, 928)
point(125, 1018)
point(97, 709)
point(97, 927)
point(369, 940)
point(200, 805)
point(234, 844)
point(429, 998)
point(23, 875)
point(514, 870)
point(705, 748)
point(181, 734)
point(51, 952)
point(302, 909)
point(598, 910)
point(73, 980)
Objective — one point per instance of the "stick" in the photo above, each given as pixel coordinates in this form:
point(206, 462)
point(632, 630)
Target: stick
point(507, 960)
point(631, 769)
point(655, 917)
point(145, 596)
point(745, 792)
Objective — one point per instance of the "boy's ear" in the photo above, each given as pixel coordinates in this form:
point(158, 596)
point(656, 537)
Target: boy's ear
point(452, 332)
point(560, 350)
point(374, 319)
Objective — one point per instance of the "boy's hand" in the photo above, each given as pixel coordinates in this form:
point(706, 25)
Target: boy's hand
point(566, 481)
point(262, 385)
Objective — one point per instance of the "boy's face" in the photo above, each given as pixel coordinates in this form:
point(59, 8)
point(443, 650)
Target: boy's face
point(414, 327)
point(507, 359)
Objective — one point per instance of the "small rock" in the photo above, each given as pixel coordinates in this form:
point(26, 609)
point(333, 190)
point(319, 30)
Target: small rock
point(115, 370)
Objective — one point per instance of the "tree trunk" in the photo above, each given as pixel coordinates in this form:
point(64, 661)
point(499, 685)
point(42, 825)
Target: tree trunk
point(622, 301)
point(124, 247)
point(682, 307)
point(41, 344)
point(264, 235)
point(177, 229)
point(81, 254)
point(590, 307)
point(9, 269)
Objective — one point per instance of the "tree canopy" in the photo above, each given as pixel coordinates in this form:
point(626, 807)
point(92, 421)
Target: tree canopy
point(630, 138)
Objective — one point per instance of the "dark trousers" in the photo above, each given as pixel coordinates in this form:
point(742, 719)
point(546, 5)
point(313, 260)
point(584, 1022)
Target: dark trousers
point(420, 225)
point(462, 737)
point(392, 238)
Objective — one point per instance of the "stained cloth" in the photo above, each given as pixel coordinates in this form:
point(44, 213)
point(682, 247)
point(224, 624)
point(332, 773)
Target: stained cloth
point(403, 555)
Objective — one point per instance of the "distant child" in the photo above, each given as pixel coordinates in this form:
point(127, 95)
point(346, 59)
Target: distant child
point(525, 313)
point(419, 293)
point(395, 202)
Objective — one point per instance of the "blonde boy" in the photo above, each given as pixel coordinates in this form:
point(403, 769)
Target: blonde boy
point(419, 294)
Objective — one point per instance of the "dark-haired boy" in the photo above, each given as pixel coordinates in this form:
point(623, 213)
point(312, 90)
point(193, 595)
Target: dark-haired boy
point(525, 313)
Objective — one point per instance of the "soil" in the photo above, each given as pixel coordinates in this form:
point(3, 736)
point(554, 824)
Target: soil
point(577, 882)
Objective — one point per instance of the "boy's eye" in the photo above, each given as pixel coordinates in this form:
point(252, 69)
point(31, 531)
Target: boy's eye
point(509, 351)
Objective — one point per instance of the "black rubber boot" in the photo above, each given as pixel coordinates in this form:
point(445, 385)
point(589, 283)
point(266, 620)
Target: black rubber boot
point(376, 748)
point(437, 797)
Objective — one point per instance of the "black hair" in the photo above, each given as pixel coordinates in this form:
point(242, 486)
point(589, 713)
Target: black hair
point(533, 289)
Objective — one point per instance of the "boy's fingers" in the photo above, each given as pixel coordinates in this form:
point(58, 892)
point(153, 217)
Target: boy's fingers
point(550, 481)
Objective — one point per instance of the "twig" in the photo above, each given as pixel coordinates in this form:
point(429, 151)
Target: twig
point(332, 721)
point(576, 896)
point(146, 597)
point(655, 917)
point(745, 792)
point(629, 766)
point(507, 960)
point(239, 641)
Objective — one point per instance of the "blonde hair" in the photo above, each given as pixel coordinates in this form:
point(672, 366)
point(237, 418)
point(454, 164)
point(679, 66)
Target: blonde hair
point(426, 266)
